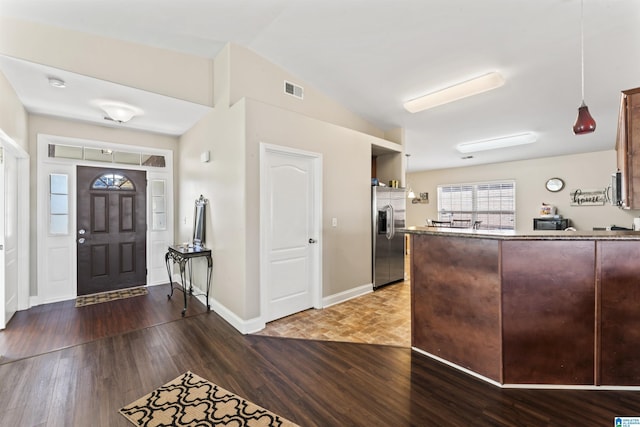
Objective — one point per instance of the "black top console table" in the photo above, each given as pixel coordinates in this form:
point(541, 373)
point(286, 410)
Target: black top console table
point(182, 255)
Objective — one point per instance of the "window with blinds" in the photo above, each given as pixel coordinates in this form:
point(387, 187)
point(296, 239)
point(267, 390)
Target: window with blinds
point(492, 203)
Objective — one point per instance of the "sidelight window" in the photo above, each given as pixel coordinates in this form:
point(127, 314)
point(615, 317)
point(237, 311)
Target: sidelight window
point(158, 204)
point(492, 203)
point(58, 204)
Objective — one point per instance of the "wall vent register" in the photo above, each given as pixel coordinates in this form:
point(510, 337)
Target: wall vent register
point(293, 90)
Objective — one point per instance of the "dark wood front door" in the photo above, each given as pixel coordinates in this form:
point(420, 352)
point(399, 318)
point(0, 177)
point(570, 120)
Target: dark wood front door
point(112, 228)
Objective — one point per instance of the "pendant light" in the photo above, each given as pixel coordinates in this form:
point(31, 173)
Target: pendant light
point(584, 123)
point(410, 193)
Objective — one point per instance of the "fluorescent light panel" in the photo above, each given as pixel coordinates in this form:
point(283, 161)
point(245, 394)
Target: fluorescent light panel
point(471, 87)
point(494, 143)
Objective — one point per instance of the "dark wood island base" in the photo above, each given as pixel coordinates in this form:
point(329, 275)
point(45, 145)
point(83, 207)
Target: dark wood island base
point(541, 309)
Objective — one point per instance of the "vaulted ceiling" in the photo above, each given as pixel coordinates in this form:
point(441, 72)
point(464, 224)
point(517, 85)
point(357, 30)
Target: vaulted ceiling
point(374, 55)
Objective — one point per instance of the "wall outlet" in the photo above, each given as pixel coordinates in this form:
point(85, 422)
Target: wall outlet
point(334, 222)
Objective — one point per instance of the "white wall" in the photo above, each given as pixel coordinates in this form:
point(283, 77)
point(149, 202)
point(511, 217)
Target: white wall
point(346, 194)
point(156, 70)
point(222, 182)
point(13, 116)
point(232, 185)
point(254, 77)
point(250, 107)
point(584, 171)
point(231, 180)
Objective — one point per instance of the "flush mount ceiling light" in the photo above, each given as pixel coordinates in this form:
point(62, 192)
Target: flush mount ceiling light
point(584, 123)
point(118, 111)
point(56, 82)
point(471, 87)
point(494, 143)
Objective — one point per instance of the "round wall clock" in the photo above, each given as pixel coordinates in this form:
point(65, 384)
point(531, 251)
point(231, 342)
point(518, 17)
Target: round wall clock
point(554, 184)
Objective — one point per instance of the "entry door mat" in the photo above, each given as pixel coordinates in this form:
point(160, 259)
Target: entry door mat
point(190, 400)
point(83, 300)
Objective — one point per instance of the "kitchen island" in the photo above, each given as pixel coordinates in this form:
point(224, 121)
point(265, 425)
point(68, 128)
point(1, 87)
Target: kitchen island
point(543, 308)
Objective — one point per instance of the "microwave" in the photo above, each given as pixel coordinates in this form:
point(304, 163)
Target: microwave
point(550, 223)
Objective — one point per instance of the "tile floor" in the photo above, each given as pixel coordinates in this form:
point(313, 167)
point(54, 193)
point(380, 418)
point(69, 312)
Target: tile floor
point(380, 317)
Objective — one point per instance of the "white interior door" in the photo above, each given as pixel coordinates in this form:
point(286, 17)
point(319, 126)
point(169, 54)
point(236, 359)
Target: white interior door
point(290, 220)
point(14, 228)
point(10, 234)
point(3, 288)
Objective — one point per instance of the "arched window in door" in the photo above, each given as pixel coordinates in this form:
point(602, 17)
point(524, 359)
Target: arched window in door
point(113, 181)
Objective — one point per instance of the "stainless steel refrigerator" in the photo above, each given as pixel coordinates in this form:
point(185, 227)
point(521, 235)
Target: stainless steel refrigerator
point(388, 216)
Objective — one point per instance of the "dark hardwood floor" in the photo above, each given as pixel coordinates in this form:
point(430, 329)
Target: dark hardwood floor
point(313, 383)
point(54, 326)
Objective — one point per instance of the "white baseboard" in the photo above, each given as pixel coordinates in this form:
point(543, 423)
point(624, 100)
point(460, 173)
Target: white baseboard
point(243, 326)
point(33, 301)
point(52, 300)
point(346, 295)
point(257, 324)
point(458, 367)
point(526, 386)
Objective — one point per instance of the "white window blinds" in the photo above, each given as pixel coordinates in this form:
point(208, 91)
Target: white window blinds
point(492, 203)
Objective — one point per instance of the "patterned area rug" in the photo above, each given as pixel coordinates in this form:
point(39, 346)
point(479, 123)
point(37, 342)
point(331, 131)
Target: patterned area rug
point(190, 400)
point(83, 300)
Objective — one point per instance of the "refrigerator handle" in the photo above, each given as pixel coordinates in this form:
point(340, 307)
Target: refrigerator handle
point(392, 229)
point(387, 231)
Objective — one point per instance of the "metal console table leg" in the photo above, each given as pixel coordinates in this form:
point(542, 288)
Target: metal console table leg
point(182, 256)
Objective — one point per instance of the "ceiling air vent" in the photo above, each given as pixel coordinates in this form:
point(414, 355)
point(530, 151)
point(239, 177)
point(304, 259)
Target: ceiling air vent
point(293, 90)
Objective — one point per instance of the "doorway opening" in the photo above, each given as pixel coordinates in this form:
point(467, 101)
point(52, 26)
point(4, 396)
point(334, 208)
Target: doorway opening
point(58, 215)
point(111, 236)
point(290, 246)
point(14, 228)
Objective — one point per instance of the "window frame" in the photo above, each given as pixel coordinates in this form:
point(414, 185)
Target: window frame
point(58, 204)
point(448, 213)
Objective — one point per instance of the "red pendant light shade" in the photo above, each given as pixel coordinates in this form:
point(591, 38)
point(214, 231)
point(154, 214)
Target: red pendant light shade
point(584, 122)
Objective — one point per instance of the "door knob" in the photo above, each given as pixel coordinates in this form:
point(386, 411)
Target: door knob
point(81, 231)
point(313, 241)
point(81, 240)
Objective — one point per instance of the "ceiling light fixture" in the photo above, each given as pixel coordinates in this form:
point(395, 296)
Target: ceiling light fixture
point(584, 123)
point(56, 82)
point(118, 111)
point(471, 87)
point(494, 143)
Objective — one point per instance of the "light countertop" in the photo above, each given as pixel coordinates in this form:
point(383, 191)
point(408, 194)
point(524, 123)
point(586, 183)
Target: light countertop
point(523, 235)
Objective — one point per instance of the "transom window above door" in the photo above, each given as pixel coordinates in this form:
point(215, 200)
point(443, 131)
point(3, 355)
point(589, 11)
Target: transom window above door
point(105, 155)
point(113, 181)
